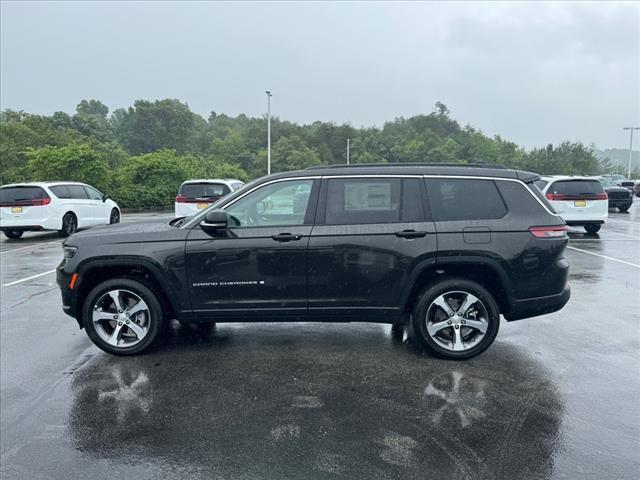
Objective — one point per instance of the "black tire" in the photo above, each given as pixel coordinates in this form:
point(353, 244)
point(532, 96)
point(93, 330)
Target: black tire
point(13, 234)
point(114, 217)
point(155, 319)
point(69, 225)
point(592, 228)
point(624, 209)
point(436, 289)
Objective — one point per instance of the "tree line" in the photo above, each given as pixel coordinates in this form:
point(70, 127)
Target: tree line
point(140, 155)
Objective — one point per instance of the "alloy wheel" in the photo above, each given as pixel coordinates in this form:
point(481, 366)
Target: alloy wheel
point(457, 320)
point(121, 318)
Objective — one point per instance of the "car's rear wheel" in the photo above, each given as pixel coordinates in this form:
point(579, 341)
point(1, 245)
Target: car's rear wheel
point(592, 228)
point(122, 316)
point(13, 234)
point(456, 319)
point(69, 225)
point(115, 216)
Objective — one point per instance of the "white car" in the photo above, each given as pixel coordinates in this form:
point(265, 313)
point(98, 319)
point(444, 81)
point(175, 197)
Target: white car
point(580, 201)
point(195, 195)
point(62, 206)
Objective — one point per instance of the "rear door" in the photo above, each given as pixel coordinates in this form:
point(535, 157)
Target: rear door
point(369, 235)
point(577, 199)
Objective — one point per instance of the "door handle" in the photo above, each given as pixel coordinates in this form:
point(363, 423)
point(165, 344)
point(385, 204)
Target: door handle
point(410, 234)
point(286, 237)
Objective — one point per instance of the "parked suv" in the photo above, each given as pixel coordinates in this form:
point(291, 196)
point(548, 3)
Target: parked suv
point(447, 248)
point(196, 195)
point(619, 197)
point(581, 201)
point(62, 206)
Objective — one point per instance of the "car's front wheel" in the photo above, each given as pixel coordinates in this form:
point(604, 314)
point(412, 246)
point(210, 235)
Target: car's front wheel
point(592, 228)
point(456, 319)
point(122, 316)
point(13, 234)
point(114, 217)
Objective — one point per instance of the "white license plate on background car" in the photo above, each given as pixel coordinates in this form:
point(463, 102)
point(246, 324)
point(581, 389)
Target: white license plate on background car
point(580, 203)
point(202, 205)
point(16, 209)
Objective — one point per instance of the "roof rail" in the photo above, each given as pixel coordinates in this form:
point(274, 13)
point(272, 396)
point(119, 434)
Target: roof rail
point(402, 164)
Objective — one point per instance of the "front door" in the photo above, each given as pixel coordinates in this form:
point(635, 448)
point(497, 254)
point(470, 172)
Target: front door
point(258, 265)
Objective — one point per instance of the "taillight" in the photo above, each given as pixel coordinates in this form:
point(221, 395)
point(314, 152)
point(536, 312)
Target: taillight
point(181, 199)
point(556, 231)
point(602, 196)
point(554, 196)
point(41, 201)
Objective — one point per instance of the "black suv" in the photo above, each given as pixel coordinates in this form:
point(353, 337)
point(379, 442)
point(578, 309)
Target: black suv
point(448, 248)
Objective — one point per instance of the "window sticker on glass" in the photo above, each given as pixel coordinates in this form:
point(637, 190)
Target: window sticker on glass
point(367, 196)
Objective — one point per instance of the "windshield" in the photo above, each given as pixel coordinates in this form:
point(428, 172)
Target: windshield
point(608, 182)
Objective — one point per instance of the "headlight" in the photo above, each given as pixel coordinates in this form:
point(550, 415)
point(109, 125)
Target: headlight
point(69, 251)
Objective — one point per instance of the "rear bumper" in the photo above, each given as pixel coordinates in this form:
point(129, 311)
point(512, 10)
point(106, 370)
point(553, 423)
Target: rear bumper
point(581, 223)
point(532, 307)
point(21, 228)
point(31, 224)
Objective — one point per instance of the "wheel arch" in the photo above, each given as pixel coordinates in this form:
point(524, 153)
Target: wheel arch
point(484, 271)
point(94, 272)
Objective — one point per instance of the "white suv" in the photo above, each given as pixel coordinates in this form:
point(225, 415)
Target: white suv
point(580, 201)
point(195, 195)
point(61, 206)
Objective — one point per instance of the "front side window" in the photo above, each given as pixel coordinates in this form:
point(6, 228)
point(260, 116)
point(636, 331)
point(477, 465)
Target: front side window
point(93, 193)
point(461, 199)
point(373, 200)
point(276, 204)
point(77, 191)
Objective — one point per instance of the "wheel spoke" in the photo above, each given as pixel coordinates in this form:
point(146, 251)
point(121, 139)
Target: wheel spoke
point(434, 328)
point(442, 303)
point(100, 316)
point(137, 308)
point(137, 329)
point(115, 296)
point(114, 338)
point(468, 301)
point(458, 344)
point(481, 325)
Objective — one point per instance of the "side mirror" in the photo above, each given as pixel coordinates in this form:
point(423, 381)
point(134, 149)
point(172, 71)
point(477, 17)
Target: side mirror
point(215, 219)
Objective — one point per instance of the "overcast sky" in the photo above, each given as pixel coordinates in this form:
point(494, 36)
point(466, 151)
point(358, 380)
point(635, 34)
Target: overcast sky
point(534, 73)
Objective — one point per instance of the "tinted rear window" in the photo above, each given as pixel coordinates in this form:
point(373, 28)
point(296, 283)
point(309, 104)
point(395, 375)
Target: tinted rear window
point(203, 190)
point(21, 194)
point(458, 199)
point(576, 187)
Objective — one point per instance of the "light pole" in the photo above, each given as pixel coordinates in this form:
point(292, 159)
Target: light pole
point(631, 129)
point(268, 92)
point(348, 145)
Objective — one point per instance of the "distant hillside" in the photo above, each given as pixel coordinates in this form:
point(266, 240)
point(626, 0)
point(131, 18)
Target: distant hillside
point(619, 156)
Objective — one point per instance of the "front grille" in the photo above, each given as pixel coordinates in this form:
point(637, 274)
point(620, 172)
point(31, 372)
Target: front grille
point(619, 195)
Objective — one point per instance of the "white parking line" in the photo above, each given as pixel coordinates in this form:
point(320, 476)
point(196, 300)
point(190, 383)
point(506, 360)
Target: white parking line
point(36, 245)
point(604, 256)
point(28, 278)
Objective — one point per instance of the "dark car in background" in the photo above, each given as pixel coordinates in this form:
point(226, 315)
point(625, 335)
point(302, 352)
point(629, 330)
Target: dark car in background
point(620, 197)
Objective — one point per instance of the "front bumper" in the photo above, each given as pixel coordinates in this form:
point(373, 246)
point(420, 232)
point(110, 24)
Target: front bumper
point(68, 296)
point(532, 307)
point(620, 202)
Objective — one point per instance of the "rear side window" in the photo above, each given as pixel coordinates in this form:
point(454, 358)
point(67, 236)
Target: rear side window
point(61, 191)
point(77, 192)
point(461, 199)
point(237, 186)
point(204, 190)
point(575, 188)
point(21, 195)
point(373, 200)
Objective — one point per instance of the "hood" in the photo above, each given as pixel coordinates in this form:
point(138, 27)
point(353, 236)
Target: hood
point(135, 232)
point(616, 189)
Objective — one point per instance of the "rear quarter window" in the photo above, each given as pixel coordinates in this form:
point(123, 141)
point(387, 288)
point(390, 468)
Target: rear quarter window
point(462, 199)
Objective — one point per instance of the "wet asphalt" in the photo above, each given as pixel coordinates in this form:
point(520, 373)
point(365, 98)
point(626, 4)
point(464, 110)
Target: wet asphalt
point(556, 396)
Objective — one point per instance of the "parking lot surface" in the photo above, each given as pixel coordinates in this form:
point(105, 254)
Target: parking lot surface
point(555, 396)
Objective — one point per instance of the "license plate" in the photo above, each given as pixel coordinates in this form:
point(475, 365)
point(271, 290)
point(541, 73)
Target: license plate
point(580, 203)
point(202, 205)
point(16, 209)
